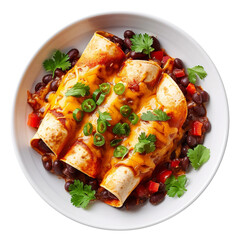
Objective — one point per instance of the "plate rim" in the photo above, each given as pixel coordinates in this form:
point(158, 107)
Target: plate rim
point(14, 122)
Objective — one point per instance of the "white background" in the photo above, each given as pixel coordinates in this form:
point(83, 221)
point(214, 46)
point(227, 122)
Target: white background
point(26, 25)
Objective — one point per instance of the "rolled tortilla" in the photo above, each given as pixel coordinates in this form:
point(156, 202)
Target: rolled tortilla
point(125, 175)
point(143, 73)
point(100, 60)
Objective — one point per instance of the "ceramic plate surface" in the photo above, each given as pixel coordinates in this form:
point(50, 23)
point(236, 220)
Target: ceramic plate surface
point(177, 44)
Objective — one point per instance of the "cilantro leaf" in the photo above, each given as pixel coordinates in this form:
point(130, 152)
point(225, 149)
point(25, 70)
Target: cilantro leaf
point(121, 129)
point(198, 156)
point(81, 194)
point(78, 90)
point(176, 186)
point(193, 72)
point(59, 60)
point(142, 43)
point(104, 117)
point(145, 144)
point(157, 115)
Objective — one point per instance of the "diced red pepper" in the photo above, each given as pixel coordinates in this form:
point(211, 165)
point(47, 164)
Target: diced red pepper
point(197, 128)
point(165, 59)
point(141, 191)
point(33, 120)
point(153, 187)
point(175, 163)
point(178, 72)
point(157, 55)
point(162, 176)
point(191, 89)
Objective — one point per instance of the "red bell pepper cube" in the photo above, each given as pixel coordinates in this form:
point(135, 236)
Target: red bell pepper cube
point(165, 59)
point(33, 120)
point(178, 72)
point(197, 128)
point(157, 55)
point(153, 187)
point(162, 176)
point(191, 89)
point(175, 163)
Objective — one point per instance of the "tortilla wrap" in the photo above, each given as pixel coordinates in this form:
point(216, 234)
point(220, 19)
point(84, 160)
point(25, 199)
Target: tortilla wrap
point(100, 60)
point(125, 175)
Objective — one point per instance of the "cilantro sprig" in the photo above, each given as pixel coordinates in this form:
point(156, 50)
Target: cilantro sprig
point(145, 144)
point(176, 186)
point(156, 115)
point(142, 43)
point(81, 194)
point(194, 71)
point(198, 156)
point(78, 90)
point(121, 129)
point(105, 117)
point(58, 60)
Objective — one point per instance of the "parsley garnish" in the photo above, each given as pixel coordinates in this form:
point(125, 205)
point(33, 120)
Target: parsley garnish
point(121, 129)
point(81, 194)
point(198, 156)
point(176, 186)
point(78, 90)
point(157, 115)
point(105, 117)
point(197, 70)
point(59, 60)
point(142, 43)
point(145, 144)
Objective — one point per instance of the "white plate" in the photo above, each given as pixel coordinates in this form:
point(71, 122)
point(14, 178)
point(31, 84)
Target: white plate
point(177, 44)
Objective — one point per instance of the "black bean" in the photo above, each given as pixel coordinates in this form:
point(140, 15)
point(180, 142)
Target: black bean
point(58, 167)
point(184, 81)
point(43, 147)
point(184, 150)
point(173, 155)
point(161, 187)
point(199, 110)
point(54, 85)
point(191, 141)
point(156, 198)
point(47, 162)
point(47, 78)
point(184, 163)
point(156, 45)
point(126, 51)
point(200, 139)
point(173, 77)
point(67, 173)
point(128, 43)
point(74, 61)
point(94, 184)
point(136, 55)
point(39, 85)
point(71, 169)
point(197, 98)
point(131, 202)
point(183, 89)
point(59, 73)
point(72, 54)
point(118, 40)
point(205, 96)
point(178, 63)
point(67, 184)
point(106, 195)
point(128, 34)
point(207, 126)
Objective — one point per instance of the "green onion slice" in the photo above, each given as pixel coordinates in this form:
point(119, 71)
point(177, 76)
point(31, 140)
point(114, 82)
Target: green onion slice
point(101, 99)
point(88, 105)
point(125, 110)
point(105, 88)
point(120, 152)
point(98, 140)
point(115, 142)
point(78, 114)
point(95, 94)
point(119, 88)
point(101, 126)
point(87, 129)
point(133, 118)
